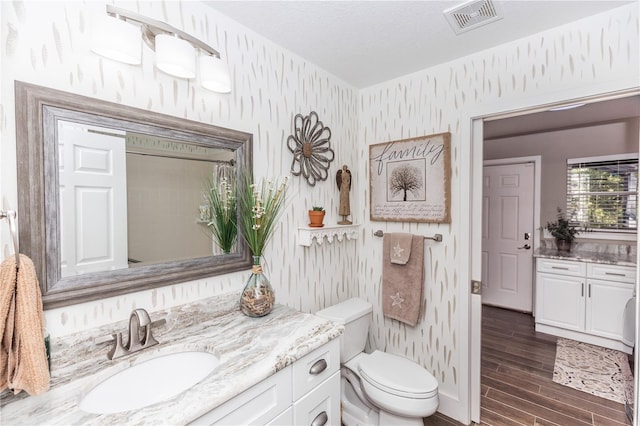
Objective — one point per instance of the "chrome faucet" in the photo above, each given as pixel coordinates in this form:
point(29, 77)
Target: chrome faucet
point(140, 336)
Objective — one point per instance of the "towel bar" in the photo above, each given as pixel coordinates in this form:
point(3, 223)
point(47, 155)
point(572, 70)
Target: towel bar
point(436, 237)
point(10, 215)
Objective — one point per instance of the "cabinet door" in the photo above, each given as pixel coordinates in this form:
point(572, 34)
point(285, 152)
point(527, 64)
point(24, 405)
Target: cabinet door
point(284, 419)
point(560, 301)
point(321, 406)
point(605, 307)
point(257, 405)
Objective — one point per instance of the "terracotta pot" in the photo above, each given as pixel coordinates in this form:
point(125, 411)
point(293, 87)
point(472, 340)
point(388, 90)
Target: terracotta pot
point(563, 245)
point(316, 218)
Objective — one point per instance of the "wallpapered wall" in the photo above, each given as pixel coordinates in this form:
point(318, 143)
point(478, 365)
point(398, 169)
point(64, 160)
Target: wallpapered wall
point(46, 44)
point(444, 98)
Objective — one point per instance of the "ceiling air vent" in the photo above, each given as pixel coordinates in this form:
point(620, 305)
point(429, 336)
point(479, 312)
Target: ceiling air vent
point(472, 14)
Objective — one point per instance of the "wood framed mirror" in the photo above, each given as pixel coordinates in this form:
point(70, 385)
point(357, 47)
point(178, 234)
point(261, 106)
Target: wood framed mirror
point(51, 228)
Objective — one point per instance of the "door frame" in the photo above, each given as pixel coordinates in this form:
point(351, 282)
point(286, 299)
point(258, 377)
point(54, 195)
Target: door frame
point(472, 224)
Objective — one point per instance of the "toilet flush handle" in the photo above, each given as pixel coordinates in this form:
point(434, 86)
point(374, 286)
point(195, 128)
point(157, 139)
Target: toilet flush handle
point(318, 367)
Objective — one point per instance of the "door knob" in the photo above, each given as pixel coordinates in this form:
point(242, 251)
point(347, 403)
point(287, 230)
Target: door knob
point(526, 247)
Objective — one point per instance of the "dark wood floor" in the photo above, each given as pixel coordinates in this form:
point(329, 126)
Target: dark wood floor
point(517, 386)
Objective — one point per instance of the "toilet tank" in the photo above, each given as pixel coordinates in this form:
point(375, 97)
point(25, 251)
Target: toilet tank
point(355, 315)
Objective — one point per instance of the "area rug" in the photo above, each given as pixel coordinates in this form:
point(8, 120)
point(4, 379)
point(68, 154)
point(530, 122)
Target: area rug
point(593, 369)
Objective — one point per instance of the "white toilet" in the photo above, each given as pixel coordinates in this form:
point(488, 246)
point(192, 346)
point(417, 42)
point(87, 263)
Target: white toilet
point(378, 388)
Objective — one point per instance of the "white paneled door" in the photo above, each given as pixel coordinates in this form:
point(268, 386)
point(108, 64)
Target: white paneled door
point(93, 199)
point(507, 236)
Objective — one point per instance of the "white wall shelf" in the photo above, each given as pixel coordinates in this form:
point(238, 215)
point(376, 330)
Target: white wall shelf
point(306, 234)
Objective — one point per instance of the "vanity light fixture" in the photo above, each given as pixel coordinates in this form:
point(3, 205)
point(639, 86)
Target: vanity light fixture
point(113, 38)
point(175, 56)
point(214, 74)
point(117, 37)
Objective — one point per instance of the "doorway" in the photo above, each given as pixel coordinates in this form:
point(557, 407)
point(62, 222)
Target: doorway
point(523, 123)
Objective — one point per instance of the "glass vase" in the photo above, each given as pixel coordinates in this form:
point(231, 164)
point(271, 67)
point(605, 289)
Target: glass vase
point(258, 297)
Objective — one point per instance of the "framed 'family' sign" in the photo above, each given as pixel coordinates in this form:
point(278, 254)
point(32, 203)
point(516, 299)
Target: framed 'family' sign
point(410, 179)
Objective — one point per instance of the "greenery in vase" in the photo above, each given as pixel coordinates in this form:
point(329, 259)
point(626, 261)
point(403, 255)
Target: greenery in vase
point(562, 229)
point(317, 209)
point(260, 208)
point(222, 213)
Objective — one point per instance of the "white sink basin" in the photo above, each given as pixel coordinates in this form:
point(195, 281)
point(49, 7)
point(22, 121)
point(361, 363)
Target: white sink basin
point(149, 382)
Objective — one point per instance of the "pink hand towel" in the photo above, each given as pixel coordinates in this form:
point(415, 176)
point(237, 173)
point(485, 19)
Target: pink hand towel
point(402, 285)
point(23, 357)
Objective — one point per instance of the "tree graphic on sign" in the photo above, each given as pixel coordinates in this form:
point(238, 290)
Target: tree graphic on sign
point(405, 179)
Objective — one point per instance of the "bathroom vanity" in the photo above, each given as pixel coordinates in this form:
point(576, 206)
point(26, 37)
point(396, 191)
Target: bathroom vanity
point(296, 395)
point(279, 369)
point(582, 296)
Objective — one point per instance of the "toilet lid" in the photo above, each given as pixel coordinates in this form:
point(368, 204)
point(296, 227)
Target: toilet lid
point(397, 375)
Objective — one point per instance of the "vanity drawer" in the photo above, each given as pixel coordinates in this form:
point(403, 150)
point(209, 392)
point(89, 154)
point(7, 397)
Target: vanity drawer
point(315, 367)
point(563, 267)
point(625, 274)
point(321, 406)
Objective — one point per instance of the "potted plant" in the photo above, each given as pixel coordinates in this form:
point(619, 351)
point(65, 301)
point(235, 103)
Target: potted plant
point(316, 216)
point(562, 230)
point(259, 208)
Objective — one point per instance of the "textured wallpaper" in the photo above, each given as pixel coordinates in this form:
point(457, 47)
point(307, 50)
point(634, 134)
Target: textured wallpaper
point(46, 43)
point(581, 56)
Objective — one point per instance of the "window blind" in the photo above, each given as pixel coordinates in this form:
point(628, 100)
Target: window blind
point(602, 195)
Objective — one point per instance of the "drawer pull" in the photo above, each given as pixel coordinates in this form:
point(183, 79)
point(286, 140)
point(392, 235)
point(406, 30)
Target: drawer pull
point(564, 268)
point(318, 367)
point(321, 419)
point(615, 274)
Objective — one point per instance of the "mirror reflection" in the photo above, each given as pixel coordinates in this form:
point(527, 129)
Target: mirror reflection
point(112, 198)
point(129, 199)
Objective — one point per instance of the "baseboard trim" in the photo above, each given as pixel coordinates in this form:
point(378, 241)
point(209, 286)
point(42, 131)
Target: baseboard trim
point(453, 408)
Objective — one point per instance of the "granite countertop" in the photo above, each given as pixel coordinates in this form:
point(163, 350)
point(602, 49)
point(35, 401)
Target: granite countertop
point(250, 350)
point(621, 259)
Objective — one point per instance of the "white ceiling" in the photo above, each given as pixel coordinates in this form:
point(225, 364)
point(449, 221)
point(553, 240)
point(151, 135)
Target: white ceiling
point(368, 42)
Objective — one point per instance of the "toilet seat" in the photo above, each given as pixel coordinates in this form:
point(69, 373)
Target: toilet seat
point(397, 376)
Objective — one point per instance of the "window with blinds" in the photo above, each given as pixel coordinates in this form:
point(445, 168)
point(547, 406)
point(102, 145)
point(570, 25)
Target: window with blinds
point(602, 192)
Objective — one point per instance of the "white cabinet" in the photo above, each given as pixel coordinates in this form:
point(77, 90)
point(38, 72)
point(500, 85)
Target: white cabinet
point(284, 419)
point(583, 301)
point(304, 393)
point(257, 405)
point(560, 301)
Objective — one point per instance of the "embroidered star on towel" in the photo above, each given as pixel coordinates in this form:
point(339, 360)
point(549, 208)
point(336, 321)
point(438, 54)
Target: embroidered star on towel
point(397, 251)
point(397, 300)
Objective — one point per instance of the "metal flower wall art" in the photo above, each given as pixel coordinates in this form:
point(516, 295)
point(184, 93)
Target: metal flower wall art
point(311, 148)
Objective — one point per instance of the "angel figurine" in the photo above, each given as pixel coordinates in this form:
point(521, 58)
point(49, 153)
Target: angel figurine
point(343, 179)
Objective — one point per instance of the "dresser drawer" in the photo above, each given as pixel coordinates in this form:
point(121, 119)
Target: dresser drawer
point(315, 367)
point(601, 271)
point(562, 267)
